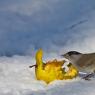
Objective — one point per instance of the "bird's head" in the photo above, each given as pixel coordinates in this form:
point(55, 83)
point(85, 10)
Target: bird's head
point(72, 55)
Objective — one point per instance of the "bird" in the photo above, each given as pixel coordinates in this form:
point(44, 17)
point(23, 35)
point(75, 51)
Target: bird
point(52, 70)
point(84, 62)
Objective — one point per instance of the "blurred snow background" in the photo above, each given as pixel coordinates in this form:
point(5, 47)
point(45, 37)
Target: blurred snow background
point(56, 26)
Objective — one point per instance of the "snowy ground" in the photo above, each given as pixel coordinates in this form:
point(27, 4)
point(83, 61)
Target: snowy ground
point(17, 79)
point(56, 26)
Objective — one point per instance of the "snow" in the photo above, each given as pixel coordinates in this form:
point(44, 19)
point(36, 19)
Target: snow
point(57, 26)
point(16, 78)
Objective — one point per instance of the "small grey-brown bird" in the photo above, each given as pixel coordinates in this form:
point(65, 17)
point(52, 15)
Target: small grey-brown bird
point(84, 62)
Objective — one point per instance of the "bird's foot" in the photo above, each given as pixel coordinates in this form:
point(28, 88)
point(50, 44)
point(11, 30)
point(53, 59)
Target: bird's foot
point(89, 76)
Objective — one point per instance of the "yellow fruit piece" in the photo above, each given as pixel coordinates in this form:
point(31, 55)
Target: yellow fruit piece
point(52, 70)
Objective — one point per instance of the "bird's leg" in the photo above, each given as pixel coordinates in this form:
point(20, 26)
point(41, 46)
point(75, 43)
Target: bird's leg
point(88, 76)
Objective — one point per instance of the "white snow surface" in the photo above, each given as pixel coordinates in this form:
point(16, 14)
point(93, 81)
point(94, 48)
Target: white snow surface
point(16, 78)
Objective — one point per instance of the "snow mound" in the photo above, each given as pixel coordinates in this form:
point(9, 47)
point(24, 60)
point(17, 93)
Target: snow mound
point(16, 78)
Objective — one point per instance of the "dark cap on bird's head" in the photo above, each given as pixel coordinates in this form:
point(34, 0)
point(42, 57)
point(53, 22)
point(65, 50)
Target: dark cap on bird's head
point(71, 53)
